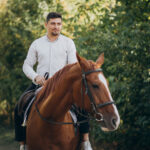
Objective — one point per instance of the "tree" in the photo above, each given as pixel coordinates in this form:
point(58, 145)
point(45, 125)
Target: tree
point(123, 35)
point(18, 28)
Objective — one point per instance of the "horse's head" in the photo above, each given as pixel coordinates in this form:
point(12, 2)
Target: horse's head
point(95, 94)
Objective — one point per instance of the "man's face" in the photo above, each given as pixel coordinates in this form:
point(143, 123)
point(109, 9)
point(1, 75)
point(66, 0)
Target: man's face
point(54, 26)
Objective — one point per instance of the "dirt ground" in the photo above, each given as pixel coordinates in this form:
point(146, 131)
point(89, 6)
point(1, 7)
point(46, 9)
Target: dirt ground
point(9, 147)
point(7, 139)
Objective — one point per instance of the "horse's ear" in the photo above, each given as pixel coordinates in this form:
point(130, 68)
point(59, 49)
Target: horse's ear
point(82, 62)
point(100, 60)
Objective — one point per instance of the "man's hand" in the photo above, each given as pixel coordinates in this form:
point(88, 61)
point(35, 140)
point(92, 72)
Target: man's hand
point(39, 80)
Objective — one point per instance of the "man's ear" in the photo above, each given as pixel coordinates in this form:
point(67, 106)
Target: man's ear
point(82, 62)
point(100, 60)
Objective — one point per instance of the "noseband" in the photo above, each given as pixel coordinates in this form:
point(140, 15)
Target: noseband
point(88, 92)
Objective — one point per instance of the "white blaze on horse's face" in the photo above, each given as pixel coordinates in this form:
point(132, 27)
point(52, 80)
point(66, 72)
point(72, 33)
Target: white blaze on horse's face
point(103, 80)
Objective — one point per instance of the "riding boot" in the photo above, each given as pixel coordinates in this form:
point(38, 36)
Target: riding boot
point(23, 147)
point(86, 145)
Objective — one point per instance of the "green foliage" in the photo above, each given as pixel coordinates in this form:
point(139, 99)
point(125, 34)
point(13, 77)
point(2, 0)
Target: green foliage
point(120, 29)
point(17, 32)
point(124, 36)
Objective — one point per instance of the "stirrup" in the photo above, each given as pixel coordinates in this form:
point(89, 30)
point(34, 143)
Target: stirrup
point(86, 145)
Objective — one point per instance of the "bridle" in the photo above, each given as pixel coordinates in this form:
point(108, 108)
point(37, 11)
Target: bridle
point(94, 106)
point(92, 101)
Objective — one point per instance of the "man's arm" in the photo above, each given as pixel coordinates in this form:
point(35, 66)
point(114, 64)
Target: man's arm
point(30, 61)
point(71, 52)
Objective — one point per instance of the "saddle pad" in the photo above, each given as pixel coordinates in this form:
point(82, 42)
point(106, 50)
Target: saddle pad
point(73, 116)
point(27, 109)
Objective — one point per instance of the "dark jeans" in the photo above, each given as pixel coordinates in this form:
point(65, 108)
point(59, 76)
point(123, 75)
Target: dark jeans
point(20, 132)
point(84, 127)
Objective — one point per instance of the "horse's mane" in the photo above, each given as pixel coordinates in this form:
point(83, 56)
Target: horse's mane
point(55, 81)
point(52, 83)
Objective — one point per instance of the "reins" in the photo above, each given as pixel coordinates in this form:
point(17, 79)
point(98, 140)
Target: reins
point(58, 123)
point(93, 104)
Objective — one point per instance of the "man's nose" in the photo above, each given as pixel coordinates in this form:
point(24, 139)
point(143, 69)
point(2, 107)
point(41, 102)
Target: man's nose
point(56, 25)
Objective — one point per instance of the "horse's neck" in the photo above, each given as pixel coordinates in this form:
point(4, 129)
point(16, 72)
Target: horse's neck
point(59, 102)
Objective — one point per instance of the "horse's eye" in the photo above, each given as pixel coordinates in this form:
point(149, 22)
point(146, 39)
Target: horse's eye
point(95, 86)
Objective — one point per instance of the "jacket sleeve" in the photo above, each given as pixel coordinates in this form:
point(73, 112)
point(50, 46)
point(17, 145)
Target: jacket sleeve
point(30, 61)
point(71, 52)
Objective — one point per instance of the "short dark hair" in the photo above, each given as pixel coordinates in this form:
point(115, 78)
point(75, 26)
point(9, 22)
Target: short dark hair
point(53, 15)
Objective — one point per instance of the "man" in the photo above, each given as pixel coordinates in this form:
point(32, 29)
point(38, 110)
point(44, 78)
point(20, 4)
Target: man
point(52, 52)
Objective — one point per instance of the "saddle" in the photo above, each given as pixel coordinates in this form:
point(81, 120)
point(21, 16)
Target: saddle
point(24, 101)
point(27, 96)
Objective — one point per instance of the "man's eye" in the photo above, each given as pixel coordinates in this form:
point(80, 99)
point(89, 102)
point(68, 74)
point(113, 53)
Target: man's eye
point(95, 86)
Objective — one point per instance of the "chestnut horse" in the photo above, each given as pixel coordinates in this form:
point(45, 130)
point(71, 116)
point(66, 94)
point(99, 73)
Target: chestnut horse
point(82, 84)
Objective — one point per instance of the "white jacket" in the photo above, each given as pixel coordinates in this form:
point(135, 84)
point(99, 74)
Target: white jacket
point(49, 56)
